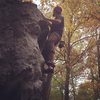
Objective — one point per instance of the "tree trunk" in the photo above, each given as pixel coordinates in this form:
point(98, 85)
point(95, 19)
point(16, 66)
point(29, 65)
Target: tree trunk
point(98, 54)
point(67, 68)
point(66, 97)
point(98, 57)
point(73, 87)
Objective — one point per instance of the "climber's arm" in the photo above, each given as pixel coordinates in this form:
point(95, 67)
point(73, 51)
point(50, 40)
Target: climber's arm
point(57, 21)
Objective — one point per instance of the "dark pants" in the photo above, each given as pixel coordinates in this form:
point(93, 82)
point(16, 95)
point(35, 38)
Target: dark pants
point(50, 45)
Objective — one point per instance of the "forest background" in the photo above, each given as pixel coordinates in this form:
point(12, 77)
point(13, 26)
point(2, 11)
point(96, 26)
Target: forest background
point(77, 72)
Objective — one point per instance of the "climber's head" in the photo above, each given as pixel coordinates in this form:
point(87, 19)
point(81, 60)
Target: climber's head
point(57, 11)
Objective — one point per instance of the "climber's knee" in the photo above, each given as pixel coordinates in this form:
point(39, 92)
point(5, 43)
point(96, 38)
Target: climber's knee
point(54, 37)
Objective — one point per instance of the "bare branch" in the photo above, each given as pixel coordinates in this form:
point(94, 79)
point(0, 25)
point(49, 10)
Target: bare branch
point(76, 42)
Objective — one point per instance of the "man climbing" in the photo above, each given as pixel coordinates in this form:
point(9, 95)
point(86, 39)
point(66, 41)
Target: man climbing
point(54, 36)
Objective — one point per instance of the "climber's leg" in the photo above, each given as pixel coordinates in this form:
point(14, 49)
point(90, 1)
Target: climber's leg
point(49, 51)
point(49, 56)
point(53, 40)
point(54, 37)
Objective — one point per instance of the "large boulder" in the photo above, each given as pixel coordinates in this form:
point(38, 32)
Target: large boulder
point(20, 56)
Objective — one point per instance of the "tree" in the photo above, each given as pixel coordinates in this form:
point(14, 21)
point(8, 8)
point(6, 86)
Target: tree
point(78, 22)
point(81, 21)
point(85, 92)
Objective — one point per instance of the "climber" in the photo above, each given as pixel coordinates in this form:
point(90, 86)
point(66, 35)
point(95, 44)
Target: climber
point(54, 36)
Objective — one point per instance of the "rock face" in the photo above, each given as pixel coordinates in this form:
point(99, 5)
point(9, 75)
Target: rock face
point(20, 56)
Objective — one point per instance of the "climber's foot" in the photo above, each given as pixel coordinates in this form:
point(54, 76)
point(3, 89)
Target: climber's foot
point(49, 70)
point(51, 64)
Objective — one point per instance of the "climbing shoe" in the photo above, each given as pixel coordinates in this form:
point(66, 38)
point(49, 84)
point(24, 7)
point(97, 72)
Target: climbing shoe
point(48, 70)
point(51, 64)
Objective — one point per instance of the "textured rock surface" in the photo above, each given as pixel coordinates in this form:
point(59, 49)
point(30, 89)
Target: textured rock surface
point(20, 57)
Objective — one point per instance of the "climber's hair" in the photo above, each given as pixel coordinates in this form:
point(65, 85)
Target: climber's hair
point(57, 10)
